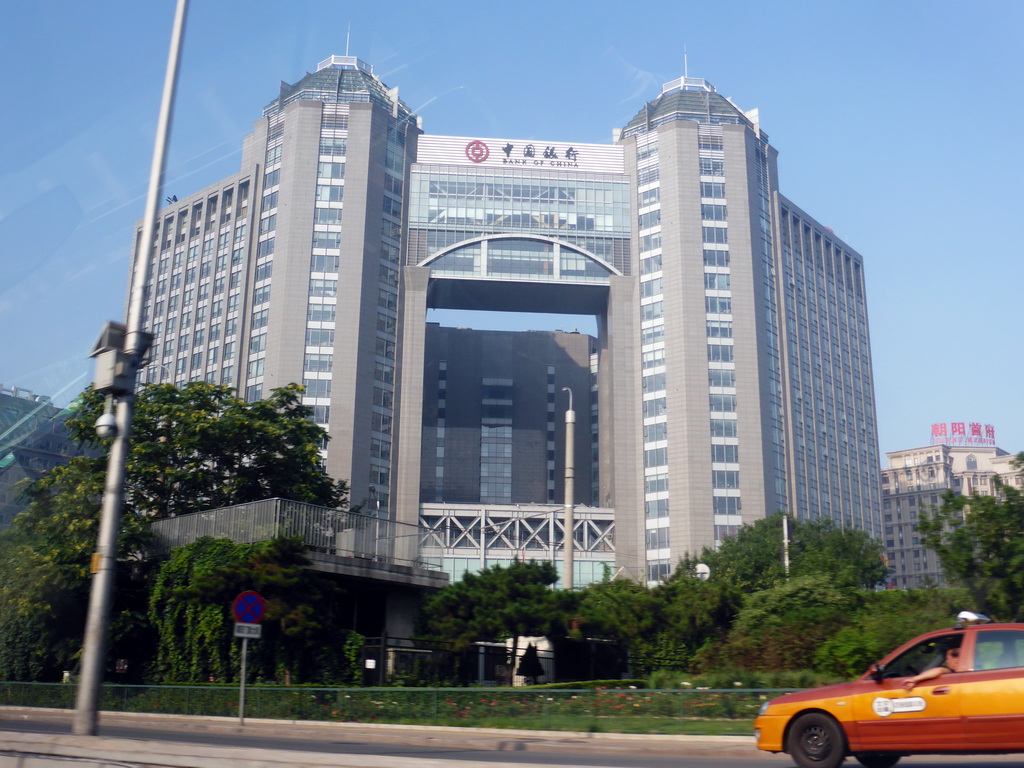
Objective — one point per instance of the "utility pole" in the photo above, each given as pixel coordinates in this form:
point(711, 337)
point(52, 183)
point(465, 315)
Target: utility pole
point(570, 490)
point(119, 354)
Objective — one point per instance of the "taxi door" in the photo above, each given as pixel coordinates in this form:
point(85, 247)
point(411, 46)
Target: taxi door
point(925, 718)
point(992, 694)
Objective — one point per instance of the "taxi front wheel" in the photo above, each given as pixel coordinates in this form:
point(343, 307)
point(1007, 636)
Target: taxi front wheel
point(815, 740)
point(877, 759)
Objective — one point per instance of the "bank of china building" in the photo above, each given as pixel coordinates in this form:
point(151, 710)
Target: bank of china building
point(729, 376)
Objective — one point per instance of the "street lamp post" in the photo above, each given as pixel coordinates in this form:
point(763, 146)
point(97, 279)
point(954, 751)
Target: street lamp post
point(570, 490)
point(119, 355)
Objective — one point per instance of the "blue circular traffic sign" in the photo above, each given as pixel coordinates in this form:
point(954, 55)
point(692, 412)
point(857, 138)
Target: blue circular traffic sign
point(249, 608)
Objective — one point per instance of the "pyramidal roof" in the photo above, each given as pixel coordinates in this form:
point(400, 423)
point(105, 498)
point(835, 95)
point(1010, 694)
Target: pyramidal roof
point(340, 79)
point(687, 98)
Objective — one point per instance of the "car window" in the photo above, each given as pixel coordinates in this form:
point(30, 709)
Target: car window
point(921, 656)
point(999, 649)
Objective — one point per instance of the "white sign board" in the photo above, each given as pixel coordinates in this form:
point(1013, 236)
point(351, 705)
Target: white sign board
point(253, 631)
point(530, 154)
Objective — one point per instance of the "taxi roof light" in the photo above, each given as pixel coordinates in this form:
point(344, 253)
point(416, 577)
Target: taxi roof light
point(970, 617)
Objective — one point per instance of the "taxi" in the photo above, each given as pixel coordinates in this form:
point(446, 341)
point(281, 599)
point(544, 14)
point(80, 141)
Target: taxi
point(950, 691)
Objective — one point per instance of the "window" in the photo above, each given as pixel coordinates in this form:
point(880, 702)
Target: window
point(709, 167)
point(260, 318)
point(716, 281)
point(329, 193)
point(655, 382)
point(327, 215)
point(999, 649)
point(261, 295)
point(710, 212)
point(654, 407)
point(720, 353)
point(258, 343)
point(655, 509)
point(727, 505)
point(720, 329)
point(657, 457)
point(655, 432)
point(924, 655)
point(321, 363)
point(715, 234)
point(328, 288)
point(723, 428)
point(652, 311)
point(718, 305)
point(327, 240)
point(725, 478)
point(265, 248)
point(725, 453)
point(322, 313)
point(650, 219)
point(721, 378)
point(713, 258)
point(316, 337)
point(331, 171)
point(712, 189)
point(317, 387)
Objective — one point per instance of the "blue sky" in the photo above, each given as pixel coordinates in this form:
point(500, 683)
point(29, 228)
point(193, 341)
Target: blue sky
point(897, 125)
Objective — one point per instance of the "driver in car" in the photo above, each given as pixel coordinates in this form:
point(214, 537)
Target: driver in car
point(951, 663)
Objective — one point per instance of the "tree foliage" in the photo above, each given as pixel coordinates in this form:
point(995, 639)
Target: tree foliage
point(191, 601)
point(980, 543)
point(45, 572)
point(200, 447)
point(663, 626)
point(191, 449)
point(498, 603)
point(752, 560)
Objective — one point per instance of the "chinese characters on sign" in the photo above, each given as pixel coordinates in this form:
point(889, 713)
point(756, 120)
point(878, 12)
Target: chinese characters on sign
point(552, 156)
point(963, 433)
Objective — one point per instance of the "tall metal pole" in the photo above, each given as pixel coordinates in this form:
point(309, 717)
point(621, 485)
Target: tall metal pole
point(136, 342)
point(785, 544)
point(570, 490)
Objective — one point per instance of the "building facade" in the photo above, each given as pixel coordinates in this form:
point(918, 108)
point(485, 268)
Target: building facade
point(729, 378)
point(33, 440)
point(915, 483)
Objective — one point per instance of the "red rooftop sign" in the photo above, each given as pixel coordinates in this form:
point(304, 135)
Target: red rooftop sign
point(963, 433)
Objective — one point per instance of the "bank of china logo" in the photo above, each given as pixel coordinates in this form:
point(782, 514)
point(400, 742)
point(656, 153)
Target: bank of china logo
point(477, 151)
point(885, 707)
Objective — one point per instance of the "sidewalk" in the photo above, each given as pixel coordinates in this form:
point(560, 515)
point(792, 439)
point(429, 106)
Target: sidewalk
point(56, 749)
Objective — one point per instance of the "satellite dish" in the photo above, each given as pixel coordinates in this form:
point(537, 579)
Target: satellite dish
point(702, 572)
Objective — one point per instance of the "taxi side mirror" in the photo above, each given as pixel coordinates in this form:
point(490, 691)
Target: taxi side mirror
point(877, 672)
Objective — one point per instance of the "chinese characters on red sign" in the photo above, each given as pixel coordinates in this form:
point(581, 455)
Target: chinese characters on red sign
point(963, 433)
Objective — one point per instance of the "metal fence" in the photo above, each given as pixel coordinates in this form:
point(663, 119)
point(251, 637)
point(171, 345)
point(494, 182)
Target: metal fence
point(324, 530)
point(564, 709)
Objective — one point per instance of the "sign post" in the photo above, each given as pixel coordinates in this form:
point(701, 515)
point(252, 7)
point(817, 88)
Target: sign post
point(248, 608)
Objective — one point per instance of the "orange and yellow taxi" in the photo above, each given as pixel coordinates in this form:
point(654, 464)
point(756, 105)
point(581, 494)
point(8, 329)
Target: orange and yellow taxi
point(957, 690)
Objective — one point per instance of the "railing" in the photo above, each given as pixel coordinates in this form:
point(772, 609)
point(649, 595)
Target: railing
point(561, 709)
point(324, 530)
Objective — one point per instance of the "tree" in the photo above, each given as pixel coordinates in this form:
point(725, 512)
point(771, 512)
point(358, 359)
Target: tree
point(498, 603)
point(200, 447)
point(752, 560)
point(980, 543)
